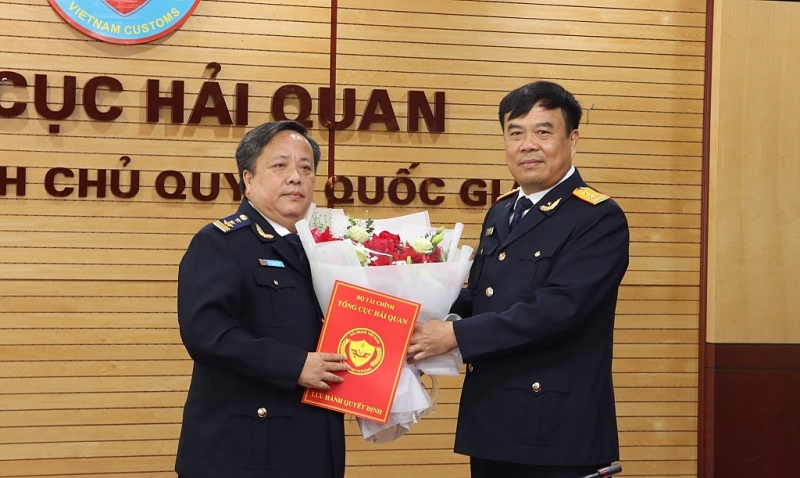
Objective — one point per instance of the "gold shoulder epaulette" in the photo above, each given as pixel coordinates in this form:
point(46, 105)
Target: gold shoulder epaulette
point(590, 195)
point(503, 196)
point(231, 223)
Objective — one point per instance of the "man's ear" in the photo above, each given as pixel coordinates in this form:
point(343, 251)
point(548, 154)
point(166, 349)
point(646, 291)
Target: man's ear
point(247, 177)
point(574, 136)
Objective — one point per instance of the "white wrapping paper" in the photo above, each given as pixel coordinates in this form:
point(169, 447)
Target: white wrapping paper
point(433, 285)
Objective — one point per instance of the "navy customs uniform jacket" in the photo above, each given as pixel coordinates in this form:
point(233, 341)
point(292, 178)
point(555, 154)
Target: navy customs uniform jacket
point(537, 333)
point(248, 317)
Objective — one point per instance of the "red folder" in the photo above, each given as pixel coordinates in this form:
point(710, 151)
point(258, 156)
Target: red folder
point(373, 330)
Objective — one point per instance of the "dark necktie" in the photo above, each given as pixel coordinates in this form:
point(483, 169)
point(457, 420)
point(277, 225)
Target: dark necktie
point(523, 204)
point(297, 245)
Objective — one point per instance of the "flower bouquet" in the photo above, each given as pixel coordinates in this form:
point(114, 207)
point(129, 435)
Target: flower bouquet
point(404, 257)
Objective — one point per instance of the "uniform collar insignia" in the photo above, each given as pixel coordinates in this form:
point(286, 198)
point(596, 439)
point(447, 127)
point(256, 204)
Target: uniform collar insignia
point(550, 206)
point(263, 234)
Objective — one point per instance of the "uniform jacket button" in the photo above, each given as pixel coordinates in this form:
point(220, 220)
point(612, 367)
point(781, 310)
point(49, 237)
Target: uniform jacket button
point(489, 292)
point(469, 367)
point(262, 412)
point(536, 387)
point(501, 257)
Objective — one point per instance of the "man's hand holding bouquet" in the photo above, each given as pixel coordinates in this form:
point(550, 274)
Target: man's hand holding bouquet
point(403, 257)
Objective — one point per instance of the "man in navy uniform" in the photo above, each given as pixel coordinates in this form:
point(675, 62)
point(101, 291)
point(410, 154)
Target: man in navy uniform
point(538, 309)
point(250, 321)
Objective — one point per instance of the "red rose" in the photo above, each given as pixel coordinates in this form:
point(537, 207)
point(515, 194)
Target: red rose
point(405, 251)
point(380, 260)
point(385, 242)
point(323, 236)
point(435, 256)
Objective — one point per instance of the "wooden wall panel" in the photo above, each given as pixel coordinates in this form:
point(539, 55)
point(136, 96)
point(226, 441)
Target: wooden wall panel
point(92, 372)
point(755, 223)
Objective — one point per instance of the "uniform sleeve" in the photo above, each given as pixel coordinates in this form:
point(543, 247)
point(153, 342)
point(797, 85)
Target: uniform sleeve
point(583, 279)
point(209, 304)
point(463, 304)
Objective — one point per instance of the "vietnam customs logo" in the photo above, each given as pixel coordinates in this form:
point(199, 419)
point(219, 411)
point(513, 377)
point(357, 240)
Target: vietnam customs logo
point(125, 21)
point(364, 350)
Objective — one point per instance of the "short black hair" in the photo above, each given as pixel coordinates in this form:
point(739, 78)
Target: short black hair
point(550, 95)
point(254, 141)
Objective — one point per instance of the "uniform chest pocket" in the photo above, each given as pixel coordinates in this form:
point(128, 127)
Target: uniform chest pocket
point(275, 278)
point(275, 294)
point(532, 265)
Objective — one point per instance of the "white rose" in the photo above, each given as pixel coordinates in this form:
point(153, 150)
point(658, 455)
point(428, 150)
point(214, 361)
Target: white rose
point(363, 256)
point(357, 234)
point(422, 245)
